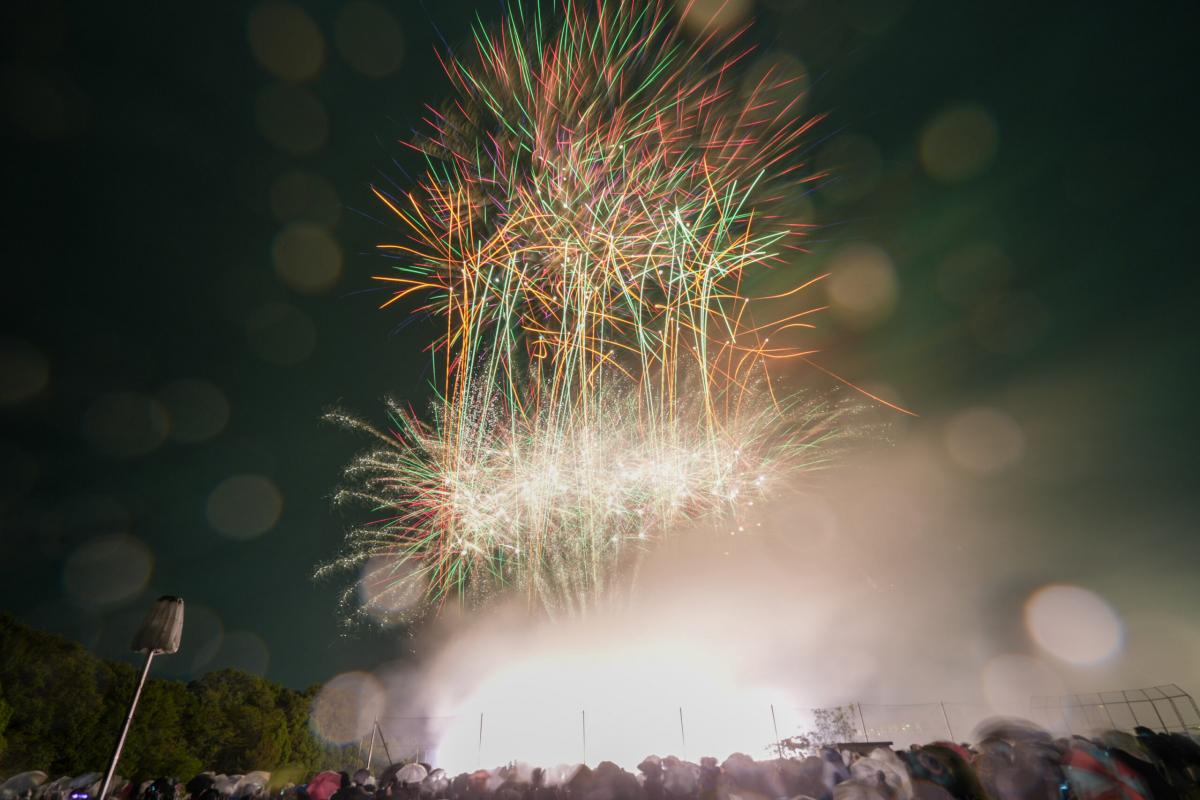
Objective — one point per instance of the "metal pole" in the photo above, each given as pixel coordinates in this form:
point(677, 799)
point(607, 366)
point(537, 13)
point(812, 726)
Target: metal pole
point(116, 756)
point(682, 735)
point(583, 720)
point(383, 740)
point(479, 752)
point(1161, 721)
point(1107, 713)
point(775, 725)
point(1175, 708)
point(862, 720)
point(1192, 700)
point(371, 747)
point(1132, 710)
point(947, 718)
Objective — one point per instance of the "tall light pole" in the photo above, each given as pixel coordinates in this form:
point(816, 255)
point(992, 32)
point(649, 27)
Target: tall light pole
point(159, 635)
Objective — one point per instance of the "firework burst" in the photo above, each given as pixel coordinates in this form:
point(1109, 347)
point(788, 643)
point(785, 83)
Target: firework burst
point(598, 194)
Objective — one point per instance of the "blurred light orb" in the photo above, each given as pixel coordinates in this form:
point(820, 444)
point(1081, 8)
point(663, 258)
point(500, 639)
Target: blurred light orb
point(307, 258)
point(108, 569)
point(292, 119)
point(959, 143)
point(281, 334)
point(242, 650)
point(781, 83)
point(125, 424)
point(286, 41)
point(385, 590)
point(854, 165)
point(203, 639)
point(862, 285)
point(702, 17)
point(346, 707)
point(984, 440)
point(244, 506)
point(369, 38)
point(1073, 624)
point(198, 409)
point(24, 371)
point(300, 196)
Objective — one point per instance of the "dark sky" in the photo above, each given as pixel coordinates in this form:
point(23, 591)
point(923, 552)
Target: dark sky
point(181, 179)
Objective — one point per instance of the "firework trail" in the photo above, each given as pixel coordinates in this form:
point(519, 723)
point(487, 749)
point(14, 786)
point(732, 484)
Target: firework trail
point(597, 194)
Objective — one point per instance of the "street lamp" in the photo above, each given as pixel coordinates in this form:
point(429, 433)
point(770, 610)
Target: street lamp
point(160, 634)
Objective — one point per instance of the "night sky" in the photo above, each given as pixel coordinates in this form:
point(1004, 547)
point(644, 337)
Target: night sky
point(189, 241)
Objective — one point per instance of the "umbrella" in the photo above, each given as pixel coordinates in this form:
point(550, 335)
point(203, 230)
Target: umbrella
point(226, 784)
point(55, 789)
point(323, 785)
point(85, 780)
point(253, 782)
point(389, 773)
point(411, 773)
point(199, 784)
point(24, 782)
point(1096, 775)
point(363, 777)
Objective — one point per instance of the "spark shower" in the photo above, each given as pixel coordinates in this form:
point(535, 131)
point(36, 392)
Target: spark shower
point(602, 196)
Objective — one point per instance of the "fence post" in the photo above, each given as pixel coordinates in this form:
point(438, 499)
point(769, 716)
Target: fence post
point(682, 734)
point(946, 716)
point(479, 751)
point(775, 725)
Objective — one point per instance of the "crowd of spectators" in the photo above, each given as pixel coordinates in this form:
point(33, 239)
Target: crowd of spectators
point(1010, 760)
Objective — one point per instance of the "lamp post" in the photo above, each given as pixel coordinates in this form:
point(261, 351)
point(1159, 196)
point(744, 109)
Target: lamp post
point(159, 635)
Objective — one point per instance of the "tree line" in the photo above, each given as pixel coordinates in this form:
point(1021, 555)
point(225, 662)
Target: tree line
point(61, 709)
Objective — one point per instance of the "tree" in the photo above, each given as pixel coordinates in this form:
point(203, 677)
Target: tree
point(830, 726)
point(68, 714)
point(5, 716)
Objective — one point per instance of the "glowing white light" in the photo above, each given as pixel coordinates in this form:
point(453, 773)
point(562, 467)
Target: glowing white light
point(1073, 624)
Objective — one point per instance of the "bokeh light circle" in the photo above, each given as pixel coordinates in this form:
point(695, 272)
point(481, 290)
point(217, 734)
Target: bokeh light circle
point(197, 408)
point(862, 285)
point(244, 506)
point(281, 334)
point(242, 650)
point(292, 119)
point(704, 17)
point(984, 440)
point(346, 706)
point(108, 569)
point(959, 143)
point(24, 371)
point(387, 589)
point(125, 424)
point(307, 258)
point(1073, 624)
point(286, 41)
point(369, 38)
